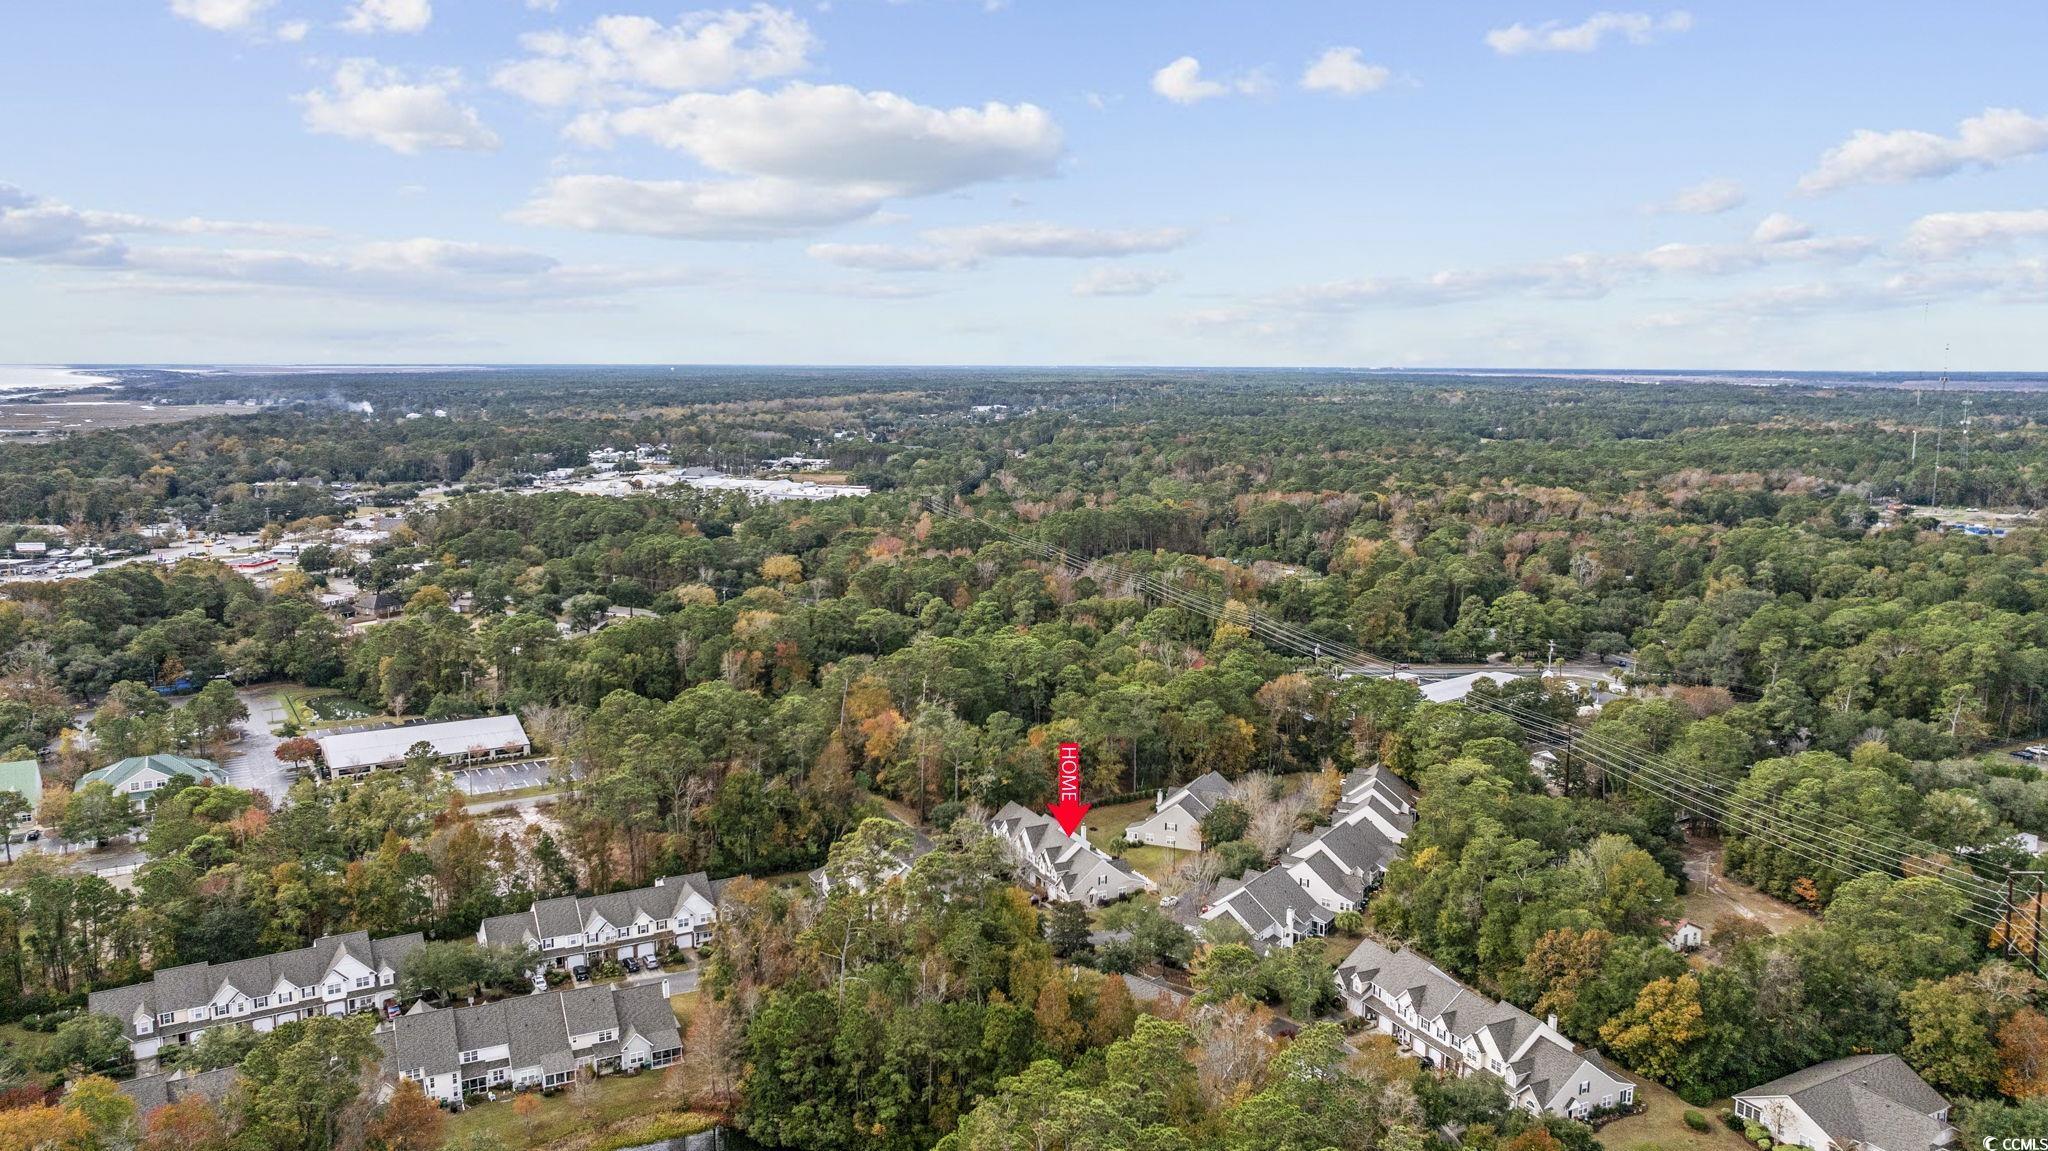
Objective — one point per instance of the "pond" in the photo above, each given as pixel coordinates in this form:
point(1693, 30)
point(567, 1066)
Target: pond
point(329, 708)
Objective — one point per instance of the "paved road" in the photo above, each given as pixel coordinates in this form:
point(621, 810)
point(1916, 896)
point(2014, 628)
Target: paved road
point(252, 762)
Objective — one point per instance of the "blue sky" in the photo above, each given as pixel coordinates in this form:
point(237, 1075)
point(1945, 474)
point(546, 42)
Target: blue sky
point(1526, 183)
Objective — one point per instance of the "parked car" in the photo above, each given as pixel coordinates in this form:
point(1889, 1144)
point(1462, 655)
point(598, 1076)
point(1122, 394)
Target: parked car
point(581, 973)
point(652, 962)
point(631, 965)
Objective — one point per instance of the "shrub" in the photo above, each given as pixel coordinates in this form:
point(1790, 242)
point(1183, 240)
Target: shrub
point(1349, 923)
point(1697, 1121)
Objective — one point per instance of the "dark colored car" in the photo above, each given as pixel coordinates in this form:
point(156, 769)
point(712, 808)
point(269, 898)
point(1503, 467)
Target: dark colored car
point(581, 973)
point(631, 965)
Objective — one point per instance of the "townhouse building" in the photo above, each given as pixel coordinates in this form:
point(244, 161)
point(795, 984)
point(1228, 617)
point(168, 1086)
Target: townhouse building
point(579, 931)
point(1067, 868)
point(1459, 1031)
point(530, 1042)
point(1176, 819)
point(1327, 872)
point(336, 975)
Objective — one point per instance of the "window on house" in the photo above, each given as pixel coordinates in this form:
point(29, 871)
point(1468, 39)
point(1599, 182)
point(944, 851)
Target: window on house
point(1585, 1086)
point(469, 1056)
point(262, 1001)
point(167, 1018)
point(606, 1036)
point(362, 981)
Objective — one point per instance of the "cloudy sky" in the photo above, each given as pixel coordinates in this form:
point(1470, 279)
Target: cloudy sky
point(1514, 183)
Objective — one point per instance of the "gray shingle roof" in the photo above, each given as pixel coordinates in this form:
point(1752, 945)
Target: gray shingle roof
point(569, 914)
point(1263, 898)
point(153, 1091)
point(1873, 1099)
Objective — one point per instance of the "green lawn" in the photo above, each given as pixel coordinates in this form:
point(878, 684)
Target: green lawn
point(620, 1111)
point(618, 1106)
point(1108, 822)
point(1661, 1127)
point(22, 1043)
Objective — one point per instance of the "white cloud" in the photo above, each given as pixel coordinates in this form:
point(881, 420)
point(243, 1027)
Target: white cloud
point(389, 16)
point(42, 231)
point(692, 209)
point(1123, 281)
point(1777, 228)
point(1055, 240)
point(222, 15)
point(838, 135)
point(293, 31)
point(953, 249)
point(1708, 198)
point(372, 102)
point(617, 57)
point(1580, 276)
point(892, 257)
point(1183, 83)
point(1587, 35)
point(1943, 235)
point(37, 229)
point(1995, 137)
point(801, 158)
point(1345, 72)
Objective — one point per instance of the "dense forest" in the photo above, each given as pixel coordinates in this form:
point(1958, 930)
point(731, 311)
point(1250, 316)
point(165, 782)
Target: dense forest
point(792, 665)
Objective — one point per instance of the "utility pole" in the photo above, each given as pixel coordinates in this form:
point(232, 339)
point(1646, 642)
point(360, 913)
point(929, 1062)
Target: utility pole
point(1940, 406)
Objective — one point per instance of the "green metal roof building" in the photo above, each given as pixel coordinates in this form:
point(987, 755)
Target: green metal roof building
point(25, 778)
point(139, 775)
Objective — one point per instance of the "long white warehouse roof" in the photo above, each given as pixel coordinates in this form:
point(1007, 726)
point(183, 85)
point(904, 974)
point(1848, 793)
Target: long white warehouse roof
point(1452, 690)
point(450, 738)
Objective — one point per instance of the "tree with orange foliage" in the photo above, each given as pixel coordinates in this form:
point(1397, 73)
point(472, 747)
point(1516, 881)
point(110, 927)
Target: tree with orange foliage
point(1534, 1139)
point(408, 1121)
point(526, 1105)
point(44, 1128)
point(298, 751)
point(2023, 1055)
point(190, 1124)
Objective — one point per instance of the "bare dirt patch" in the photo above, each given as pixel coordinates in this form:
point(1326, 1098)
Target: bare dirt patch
point(1714, 896)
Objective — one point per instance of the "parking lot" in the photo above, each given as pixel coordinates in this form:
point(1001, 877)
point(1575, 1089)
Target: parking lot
point(252, 764)
point(501, 777)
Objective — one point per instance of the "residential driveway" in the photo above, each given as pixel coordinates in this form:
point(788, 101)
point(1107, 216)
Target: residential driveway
point(252, 762)
point(500, 777)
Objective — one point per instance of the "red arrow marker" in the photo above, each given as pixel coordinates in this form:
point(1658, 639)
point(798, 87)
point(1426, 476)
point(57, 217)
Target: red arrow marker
point(1069, 810)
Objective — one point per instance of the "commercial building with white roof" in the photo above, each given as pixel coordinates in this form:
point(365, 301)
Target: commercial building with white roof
point(455, 741)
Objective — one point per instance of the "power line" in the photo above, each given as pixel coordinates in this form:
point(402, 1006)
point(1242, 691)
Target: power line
point(1885, 851)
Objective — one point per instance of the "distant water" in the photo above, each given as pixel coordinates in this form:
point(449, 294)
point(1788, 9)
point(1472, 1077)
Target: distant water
point(16, 378)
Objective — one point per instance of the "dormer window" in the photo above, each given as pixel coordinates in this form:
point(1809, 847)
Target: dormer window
point(165, 1019)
